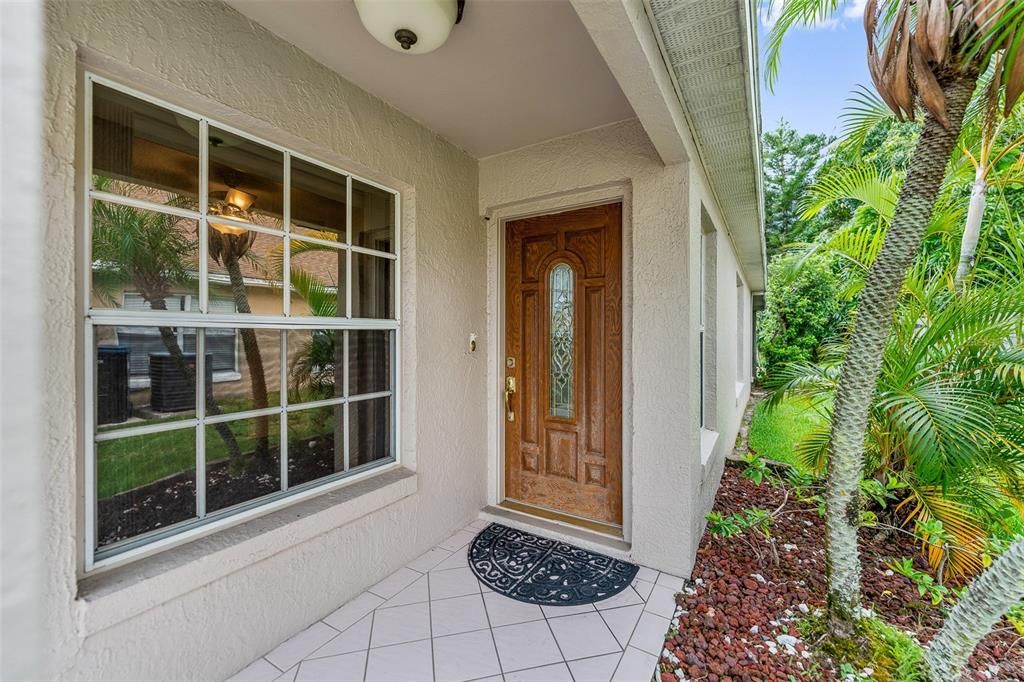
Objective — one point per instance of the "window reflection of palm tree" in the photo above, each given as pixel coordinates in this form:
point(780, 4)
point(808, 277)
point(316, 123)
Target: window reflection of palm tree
point(228, 245)
point(150, 252)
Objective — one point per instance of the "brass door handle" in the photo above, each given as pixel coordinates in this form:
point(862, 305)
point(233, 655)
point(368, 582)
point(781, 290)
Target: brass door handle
point(510, 388)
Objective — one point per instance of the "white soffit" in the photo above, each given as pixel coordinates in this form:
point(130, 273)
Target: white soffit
point(513, 72)
point(710, 49)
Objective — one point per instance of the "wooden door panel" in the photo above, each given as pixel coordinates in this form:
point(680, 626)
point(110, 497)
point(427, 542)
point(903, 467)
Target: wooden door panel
point(570, 459)
point(561, 454)
point(535, 250)
point(589, 246)
point(529, 377)
point(594, 390)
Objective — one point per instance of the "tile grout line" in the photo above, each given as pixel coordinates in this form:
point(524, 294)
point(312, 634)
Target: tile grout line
point(430, 625)
point(633, 631)
point(369, 643)
point(621, 647)
point(566, 663)
point(621, 653)
point(490, 628)
point(336, 633)
point(372, 614)
point(557, 645)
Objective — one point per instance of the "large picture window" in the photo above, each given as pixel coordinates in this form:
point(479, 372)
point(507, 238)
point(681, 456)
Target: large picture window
point(242, 329)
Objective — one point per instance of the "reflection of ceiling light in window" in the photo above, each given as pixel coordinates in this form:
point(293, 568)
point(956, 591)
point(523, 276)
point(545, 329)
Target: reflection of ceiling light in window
point(413, 26)
point(239, 199)
point(235, 206)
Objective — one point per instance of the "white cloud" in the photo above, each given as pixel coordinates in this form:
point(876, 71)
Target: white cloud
point(855, 10)
point(770, 15)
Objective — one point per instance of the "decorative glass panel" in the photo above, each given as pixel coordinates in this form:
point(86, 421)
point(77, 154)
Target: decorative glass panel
point(561, 350)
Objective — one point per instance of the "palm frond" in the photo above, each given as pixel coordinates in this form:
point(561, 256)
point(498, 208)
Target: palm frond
point(864, 184)
point(812, 450)
point(862, 114)
point(791, 14)
point(321, 298)
point(963, 555)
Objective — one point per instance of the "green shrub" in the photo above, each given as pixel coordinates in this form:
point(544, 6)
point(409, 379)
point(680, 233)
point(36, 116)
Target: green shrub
point(802, 310)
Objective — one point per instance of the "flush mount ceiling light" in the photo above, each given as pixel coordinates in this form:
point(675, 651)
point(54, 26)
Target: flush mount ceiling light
point(235, 206)
point(412, 26)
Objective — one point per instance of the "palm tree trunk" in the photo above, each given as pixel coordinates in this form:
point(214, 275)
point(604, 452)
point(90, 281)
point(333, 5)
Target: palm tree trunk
point(170, 341)
point(972, 226)
point(864, 357)
point(252, 358)
point(989, 597)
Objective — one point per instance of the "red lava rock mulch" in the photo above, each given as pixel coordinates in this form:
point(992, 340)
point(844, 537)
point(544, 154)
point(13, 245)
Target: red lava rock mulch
point(738, 621)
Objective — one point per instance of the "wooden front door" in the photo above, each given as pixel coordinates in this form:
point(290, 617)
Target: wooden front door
point(563, 364)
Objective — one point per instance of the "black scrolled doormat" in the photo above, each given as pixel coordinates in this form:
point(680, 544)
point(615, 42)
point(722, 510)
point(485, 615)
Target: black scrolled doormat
point(537, 570)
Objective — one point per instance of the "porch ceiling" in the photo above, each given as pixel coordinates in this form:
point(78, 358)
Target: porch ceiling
point(510, 75)
point(710, 49)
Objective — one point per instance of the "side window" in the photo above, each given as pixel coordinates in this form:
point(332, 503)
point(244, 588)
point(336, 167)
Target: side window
point(708, 333)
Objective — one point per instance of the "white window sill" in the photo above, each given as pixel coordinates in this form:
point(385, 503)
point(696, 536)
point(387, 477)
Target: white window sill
point(708, 440)
point(123, 592)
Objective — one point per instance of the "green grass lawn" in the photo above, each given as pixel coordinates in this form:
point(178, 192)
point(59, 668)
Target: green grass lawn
point(774, 434)
point(128, 463)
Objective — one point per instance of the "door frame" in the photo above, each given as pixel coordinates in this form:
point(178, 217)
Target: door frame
point(496, 218)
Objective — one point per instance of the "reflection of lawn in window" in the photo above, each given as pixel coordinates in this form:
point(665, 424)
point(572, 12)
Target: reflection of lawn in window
point(127, 463)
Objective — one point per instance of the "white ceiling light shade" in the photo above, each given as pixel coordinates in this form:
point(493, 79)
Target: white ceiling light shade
point(410, 26)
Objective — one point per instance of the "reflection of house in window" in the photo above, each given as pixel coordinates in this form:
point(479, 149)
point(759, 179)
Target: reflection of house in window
point(141, 341)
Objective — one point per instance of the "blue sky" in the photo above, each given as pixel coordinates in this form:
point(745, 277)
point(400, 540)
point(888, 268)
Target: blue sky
point(820, 66)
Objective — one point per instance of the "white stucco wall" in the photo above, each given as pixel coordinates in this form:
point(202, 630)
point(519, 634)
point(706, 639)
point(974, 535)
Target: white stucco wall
point(211, 59)
point(668, 490)
point(733, 340)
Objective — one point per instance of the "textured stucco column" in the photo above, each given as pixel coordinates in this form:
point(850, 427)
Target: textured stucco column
point(22, 511)
point(666, 452)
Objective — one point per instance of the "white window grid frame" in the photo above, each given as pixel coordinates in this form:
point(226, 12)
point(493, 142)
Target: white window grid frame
point(204, 523)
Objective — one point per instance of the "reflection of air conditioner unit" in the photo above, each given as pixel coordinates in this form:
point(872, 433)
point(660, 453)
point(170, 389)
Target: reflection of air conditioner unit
point(169, 385)
point(112, 404)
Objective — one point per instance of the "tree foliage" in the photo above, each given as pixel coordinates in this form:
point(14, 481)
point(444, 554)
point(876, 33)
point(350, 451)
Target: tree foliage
point(802, 311)
point(791, 163)
point(922, 55)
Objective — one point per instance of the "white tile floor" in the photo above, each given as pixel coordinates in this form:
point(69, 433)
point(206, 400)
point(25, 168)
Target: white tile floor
point(433, 621)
